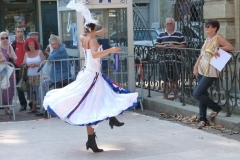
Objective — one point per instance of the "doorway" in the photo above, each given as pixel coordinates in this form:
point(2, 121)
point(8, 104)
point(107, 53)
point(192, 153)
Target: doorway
point(49, 20)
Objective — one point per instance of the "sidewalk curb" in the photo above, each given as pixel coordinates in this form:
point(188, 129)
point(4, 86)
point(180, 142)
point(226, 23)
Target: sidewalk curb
point(158, 104)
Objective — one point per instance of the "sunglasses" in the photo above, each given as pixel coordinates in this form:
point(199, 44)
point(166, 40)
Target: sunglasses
point(4, 38)
point(208, 26)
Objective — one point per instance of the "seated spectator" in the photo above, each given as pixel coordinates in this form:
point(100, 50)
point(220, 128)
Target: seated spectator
point(33, 58)
point(7, 53)
point(59, 70)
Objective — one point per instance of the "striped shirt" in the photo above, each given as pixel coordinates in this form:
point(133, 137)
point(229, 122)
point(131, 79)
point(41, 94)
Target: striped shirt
point(175, 38)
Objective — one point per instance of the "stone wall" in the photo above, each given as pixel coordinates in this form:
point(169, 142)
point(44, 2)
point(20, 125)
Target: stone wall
point(166, 10)
point(227, 13)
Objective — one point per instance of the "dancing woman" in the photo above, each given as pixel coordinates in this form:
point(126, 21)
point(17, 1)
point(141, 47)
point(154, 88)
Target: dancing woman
point(92, 97)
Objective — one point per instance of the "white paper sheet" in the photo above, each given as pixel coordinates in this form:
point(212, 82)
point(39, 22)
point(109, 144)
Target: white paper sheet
point(221, 61)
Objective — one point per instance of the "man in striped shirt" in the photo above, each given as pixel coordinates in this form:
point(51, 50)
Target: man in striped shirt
point(170, 39)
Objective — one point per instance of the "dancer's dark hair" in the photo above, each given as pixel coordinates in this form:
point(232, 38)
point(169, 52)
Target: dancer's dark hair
point(90, 27)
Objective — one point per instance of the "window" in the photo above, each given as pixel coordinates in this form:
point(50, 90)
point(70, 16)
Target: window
point(69, 29)
point(63, 3)
point(24, 16)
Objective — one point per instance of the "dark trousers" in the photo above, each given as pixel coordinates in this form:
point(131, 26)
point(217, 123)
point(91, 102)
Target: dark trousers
point(200, 93)
point(21, 96)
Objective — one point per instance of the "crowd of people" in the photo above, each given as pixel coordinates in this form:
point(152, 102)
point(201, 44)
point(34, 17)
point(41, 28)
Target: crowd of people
point(204, 72)
point(26, 55)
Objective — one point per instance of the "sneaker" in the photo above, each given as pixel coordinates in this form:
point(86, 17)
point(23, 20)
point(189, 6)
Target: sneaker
point(176, 100)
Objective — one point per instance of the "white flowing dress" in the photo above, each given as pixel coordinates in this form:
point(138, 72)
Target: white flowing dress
point(91, 98)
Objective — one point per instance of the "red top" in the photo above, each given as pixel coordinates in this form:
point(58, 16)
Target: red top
point(19, 51)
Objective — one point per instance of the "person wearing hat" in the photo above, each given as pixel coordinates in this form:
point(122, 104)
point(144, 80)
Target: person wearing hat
point(35, 35)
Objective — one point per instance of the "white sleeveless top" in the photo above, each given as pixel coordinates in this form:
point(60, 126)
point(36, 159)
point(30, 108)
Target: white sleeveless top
point(33, 71)
point(92, 64)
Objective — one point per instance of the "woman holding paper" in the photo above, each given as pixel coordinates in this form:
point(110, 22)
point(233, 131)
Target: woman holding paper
point(206, 73)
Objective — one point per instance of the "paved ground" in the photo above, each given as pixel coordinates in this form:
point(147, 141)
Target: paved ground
point(142, 137)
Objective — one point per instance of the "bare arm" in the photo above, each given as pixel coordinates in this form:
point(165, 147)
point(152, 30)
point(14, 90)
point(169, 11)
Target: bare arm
point(171, 45)
point(2, 58)
point(100, 32)
point(12, 54)
point(195, 68)
point(177, 46)
point(42, 56)
point(24, 60)
point(182, 46)
point(224, 44)
point(47, 50)
point(98, 54)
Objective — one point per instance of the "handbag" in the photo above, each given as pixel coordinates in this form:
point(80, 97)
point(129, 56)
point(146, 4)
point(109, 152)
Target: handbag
point(5, 73)
point(23, 85)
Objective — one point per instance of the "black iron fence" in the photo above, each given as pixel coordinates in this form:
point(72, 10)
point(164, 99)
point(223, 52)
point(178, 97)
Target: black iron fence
point(177, 64)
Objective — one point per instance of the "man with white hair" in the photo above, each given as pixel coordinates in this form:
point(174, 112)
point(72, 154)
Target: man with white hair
point(170, 39)
point(59, 70)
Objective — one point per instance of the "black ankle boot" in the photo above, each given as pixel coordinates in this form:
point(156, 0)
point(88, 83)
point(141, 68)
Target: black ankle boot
point(91, 143)
point(114, 122)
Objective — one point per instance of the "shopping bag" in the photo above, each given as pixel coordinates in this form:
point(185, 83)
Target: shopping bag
point(5, 73)
point(23, 84)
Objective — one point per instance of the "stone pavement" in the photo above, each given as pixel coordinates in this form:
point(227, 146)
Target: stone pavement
point(142, 137)
point(154, 103)
point(158, 104)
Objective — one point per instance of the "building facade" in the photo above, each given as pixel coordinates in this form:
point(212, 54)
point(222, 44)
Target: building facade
point(225, 11)
point(32, 15)
point(228, 14)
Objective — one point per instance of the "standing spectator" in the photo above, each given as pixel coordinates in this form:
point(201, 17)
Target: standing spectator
point(33, 57)
point(172, 39)
point(206, 73)
point(7, 53)
point(35, 35)
point(49, 48)
point(59, 70)
point(17, 45)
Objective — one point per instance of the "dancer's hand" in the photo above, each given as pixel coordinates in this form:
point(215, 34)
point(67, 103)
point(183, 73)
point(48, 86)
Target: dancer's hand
point(115, 49)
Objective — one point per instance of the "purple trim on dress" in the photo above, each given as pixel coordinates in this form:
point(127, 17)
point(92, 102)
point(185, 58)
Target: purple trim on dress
point(85, 95)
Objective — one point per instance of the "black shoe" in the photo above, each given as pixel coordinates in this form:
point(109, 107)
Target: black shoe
point(91, 143)
point(23, 108)
point(114, 122)
point(38, 114)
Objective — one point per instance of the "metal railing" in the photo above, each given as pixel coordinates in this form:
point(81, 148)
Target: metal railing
point(172, 63)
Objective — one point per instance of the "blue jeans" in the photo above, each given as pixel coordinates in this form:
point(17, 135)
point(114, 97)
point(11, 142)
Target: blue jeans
point(200, 93)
